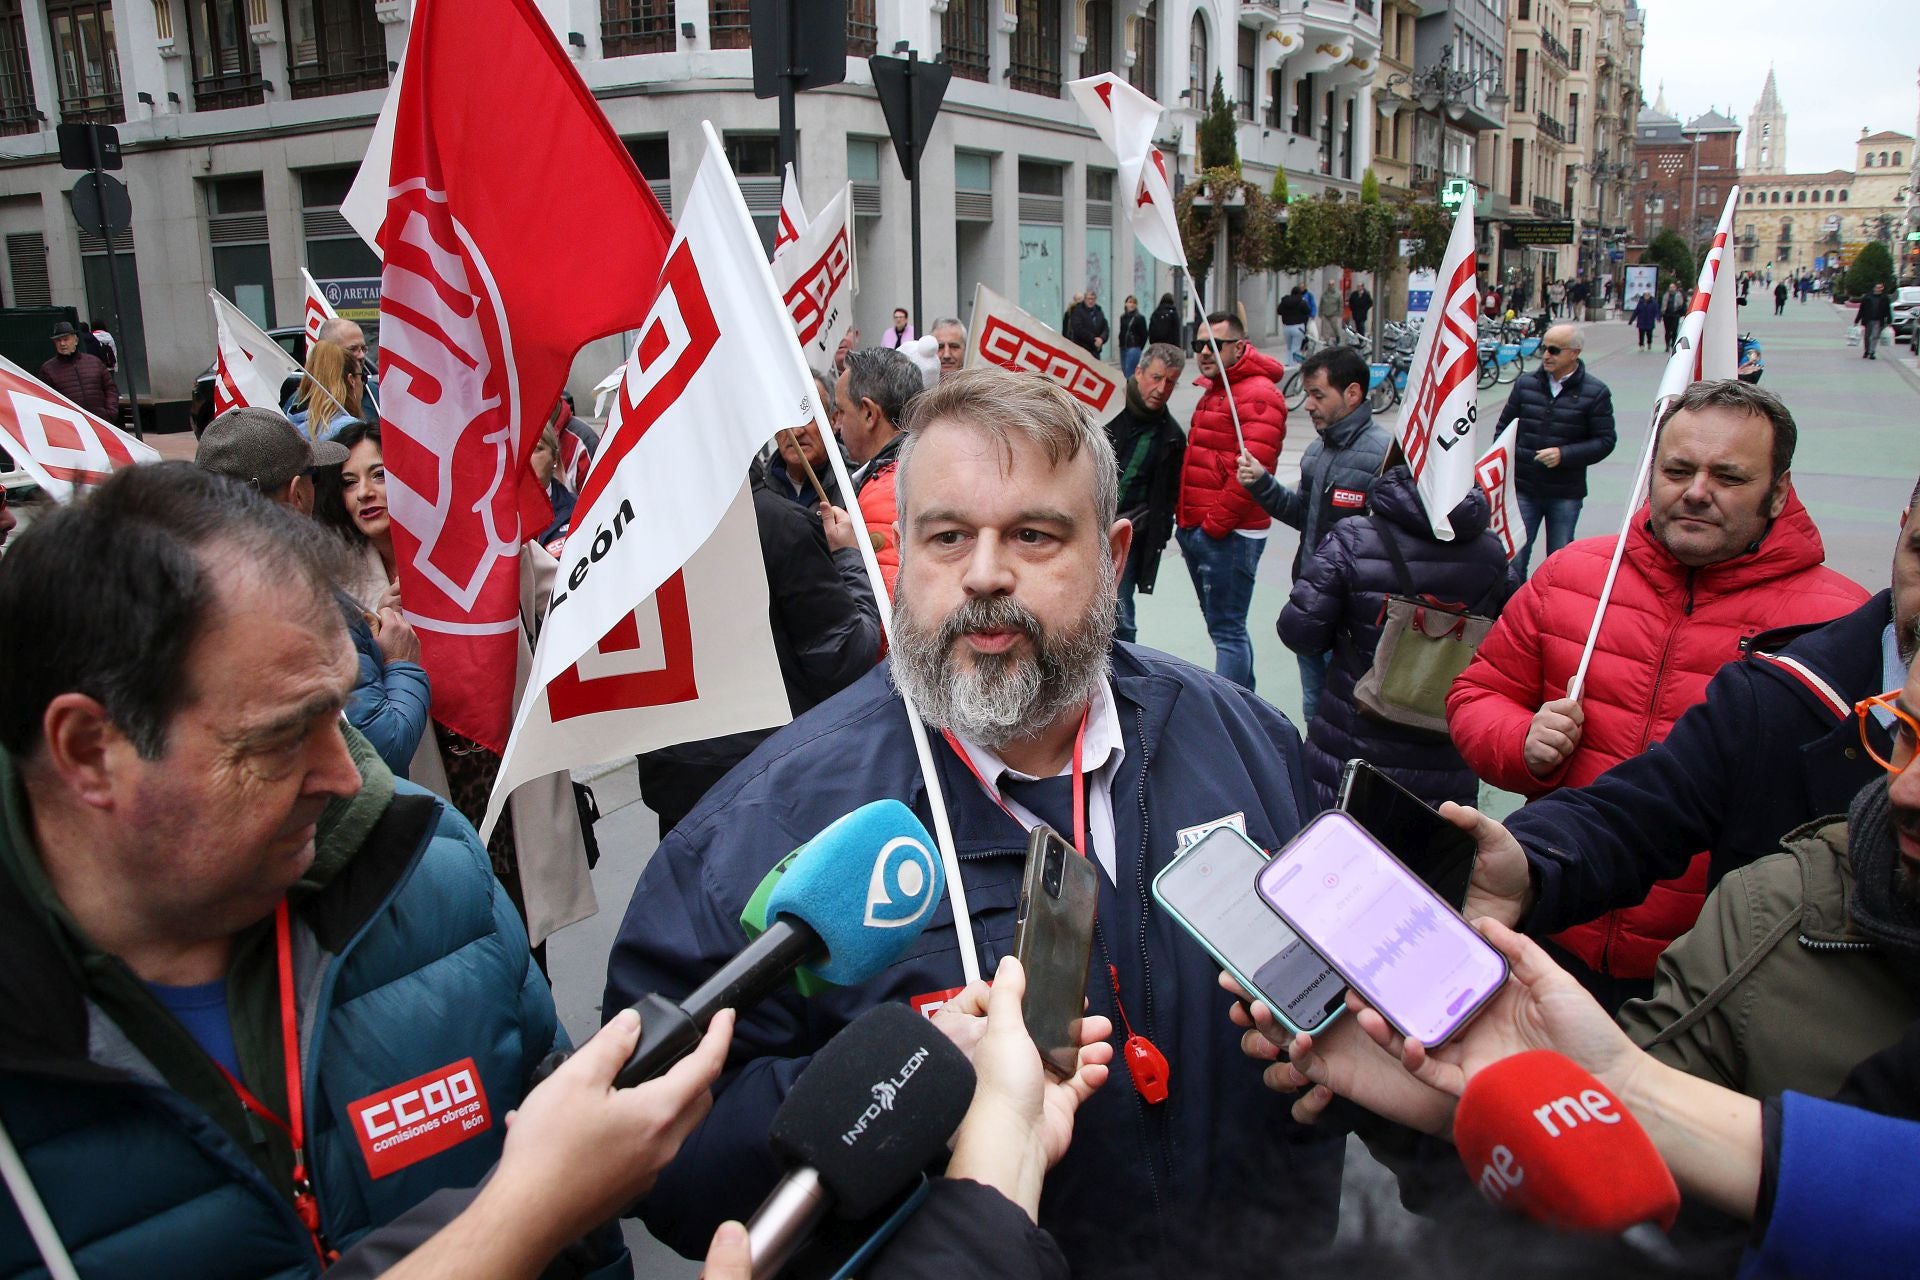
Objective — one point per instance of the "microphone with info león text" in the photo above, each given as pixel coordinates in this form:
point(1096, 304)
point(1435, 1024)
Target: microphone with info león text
point(1540, 1136)
point(845, 904)
point(870, 1112)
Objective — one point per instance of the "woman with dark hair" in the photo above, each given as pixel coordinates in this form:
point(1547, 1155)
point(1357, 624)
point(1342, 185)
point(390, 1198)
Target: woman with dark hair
point(1164, 325)
point(351, 499)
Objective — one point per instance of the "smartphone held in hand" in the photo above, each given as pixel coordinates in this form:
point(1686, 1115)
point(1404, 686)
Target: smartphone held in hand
point(1392, 938)
point(1053, 940)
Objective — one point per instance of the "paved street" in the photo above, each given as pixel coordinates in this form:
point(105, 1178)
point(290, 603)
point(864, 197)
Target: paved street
point(1858, 457)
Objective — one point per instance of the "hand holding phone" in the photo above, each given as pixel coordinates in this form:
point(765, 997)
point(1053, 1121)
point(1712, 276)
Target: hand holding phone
point(1434, 849)
point(1395, 941)
point(1053, 940)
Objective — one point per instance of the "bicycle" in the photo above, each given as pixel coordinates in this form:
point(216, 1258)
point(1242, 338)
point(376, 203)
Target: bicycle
point(1293, 388)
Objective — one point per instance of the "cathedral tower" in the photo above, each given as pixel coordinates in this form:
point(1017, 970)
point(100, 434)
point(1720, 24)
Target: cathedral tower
point(1767, 132)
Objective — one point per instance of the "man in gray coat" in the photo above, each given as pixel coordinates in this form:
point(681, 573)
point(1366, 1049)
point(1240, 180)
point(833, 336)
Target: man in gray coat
point(1336, 473)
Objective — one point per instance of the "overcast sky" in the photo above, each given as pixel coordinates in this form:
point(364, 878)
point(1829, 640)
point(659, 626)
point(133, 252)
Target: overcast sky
point(1839, 66)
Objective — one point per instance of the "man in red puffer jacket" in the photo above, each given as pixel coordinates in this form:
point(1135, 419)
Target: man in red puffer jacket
point(1221, 529)
point(1722, 551)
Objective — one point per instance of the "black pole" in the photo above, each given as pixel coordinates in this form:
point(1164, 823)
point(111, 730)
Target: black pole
point(789, 75)
point(113, 276)
point(913, 178)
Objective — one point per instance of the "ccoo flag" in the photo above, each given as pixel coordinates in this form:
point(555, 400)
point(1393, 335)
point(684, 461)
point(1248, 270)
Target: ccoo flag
point(317, 310)
point(793, 216)
point(481, 316)
point(1439, 425)
point(59, 444)
point(817, 279)
point(1716, 353)
point(1495, 474)
point(249, 368)
point(1126, 119)
point(1006, 336)
point(685, 427)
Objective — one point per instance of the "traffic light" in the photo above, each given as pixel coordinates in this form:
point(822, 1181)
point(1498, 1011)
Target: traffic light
point(1456, 193)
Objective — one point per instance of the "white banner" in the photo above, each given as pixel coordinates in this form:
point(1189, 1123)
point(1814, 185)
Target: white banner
point(59, 444)
point(714, 375)
point(694, 660)
point(1717, 357)
point(1495, 472)
point(1006, 336)
point(249, 368)
point(316, 311)
point(1439, 426)
point(817, 278)
point(793, 216)
point(1126, 120)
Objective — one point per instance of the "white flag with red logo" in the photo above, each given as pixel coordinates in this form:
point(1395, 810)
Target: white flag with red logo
point(59, 444)
point(1126, 119)
point(1439, 427)
point(793, 216)
point(1006, 336)
point(715, 374)
point(317, 310)
point(249, 368)
point(481, 314)
point(1715, 335)
point(1495, 472)
point(817, 279)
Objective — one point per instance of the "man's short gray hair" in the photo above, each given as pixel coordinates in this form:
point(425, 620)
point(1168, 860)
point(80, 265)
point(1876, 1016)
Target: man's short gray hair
point(1005, 404)
point(1577, 339)
point(947, 322)
point(1163, 353)
point(884, 376)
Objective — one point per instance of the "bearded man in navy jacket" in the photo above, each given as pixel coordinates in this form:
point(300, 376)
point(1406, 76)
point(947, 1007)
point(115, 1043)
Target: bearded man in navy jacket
point(1003, 640)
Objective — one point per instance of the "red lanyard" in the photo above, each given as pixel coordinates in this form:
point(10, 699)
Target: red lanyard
point(1145, 1063)
point(294, 1126)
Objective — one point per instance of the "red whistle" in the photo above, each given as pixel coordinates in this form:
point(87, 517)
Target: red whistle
point(1148, 1067)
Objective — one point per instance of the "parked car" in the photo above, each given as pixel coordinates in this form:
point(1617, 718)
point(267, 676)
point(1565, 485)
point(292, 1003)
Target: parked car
point(292, 340)
point(1906, 306)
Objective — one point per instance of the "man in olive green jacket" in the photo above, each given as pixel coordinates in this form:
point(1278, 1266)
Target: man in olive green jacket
point(1803, 963)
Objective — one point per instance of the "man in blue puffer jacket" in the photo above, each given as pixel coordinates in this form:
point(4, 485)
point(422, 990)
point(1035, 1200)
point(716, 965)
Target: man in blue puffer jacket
point(259, 997)
point(1338, 603)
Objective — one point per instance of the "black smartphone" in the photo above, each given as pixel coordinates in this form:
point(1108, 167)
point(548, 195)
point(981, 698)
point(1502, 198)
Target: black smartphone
point(1437, 851)
point(1053, 940)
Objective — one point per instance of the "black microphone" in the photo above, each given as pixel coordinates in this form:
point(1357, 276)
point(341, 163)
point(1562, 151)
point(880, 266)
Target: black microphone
point(856, 894)
point(870, 1112)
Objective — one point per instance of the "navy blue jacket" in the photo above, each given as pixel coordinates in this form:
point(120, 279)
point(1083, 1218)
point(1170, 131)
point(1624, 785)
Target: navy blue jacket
point(1197, 748)
point(1578, 422)
point(1338, 603)
point(1773, 745)
point(1337, 473)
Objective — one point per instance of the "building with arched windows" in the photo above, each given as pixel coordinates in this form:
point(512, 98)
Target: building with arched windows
point(1816, 222)
point(242, 123)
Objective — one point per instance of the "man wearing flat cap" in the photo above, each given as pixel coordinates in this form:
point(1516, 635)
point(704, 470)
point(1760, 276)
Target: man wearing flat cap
point(81, 378)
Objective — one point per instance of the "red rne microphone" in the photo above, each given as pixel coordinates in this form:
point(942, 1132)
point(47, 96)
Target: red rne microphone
point(1540, 1136)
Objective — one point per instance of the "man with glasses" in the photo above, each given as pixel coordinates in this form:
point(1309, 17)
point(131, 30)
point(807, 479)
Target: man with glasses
point(1566, 425)
point(1221, 528)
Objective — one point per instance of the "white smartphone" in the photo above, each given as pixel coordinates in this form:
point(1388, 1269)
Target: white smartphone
point(1391, 937)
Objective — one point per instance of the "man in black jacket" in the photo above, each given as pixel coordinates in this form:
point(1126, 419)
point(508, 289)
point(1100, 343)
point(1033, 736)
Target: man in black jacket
point(826, 633)
point(1360, 302)
point(1566, 425)
point(1148, 447)
point(1087, 323)
point(1875, 314)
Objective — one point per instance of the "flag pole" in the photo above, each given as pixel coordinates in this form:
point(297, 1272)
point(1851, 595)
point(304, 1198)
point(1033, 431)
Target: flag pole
point(1579, 682)
point(805, 466)
point(1200, 308)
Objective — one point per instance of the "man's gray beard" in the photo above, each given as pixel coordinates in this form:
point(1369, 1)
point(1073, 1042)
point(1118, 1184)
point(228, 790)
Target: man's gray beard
point(1004, 697)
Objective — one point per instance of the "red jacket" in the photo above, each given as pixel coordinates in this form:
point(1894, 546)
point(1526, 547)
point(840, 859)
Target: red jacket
point(1668, 629)
point(881, 509)
point(1211, 495)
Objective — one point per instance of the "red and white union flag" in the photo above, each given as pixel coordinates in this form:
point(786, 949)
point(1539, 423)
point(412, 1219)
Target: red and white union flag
point(61, 445)
point(1006, 336)
point(1126, 120)
point(685, 427)
point(249, 368)
point(817, 279)
point(1439, 427)
point(1495, 472)
point(317, 310)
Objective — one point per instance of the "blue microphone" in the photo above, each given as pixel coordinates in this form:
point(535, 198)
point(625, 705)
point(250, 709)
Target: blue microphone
point(847, 903)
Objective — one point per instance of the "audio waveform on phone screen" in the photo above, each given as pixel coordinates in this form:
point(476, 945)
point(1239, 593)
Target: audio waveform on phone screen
point(1422, 918)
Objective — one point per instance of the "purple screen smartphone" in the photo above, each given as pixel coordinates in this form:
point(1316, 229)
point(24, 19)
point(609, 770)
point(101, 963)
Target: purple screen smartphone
point(1379, 925)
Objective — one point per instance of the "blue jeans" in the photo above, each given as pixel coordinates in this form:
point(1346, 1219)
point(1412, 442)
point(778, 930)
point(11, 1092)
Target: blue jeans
point(1124, 627)
point(1560, 514)
point(1313, 678)
point(1223, 579)
point(1296, 339)
point(1130, 359)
